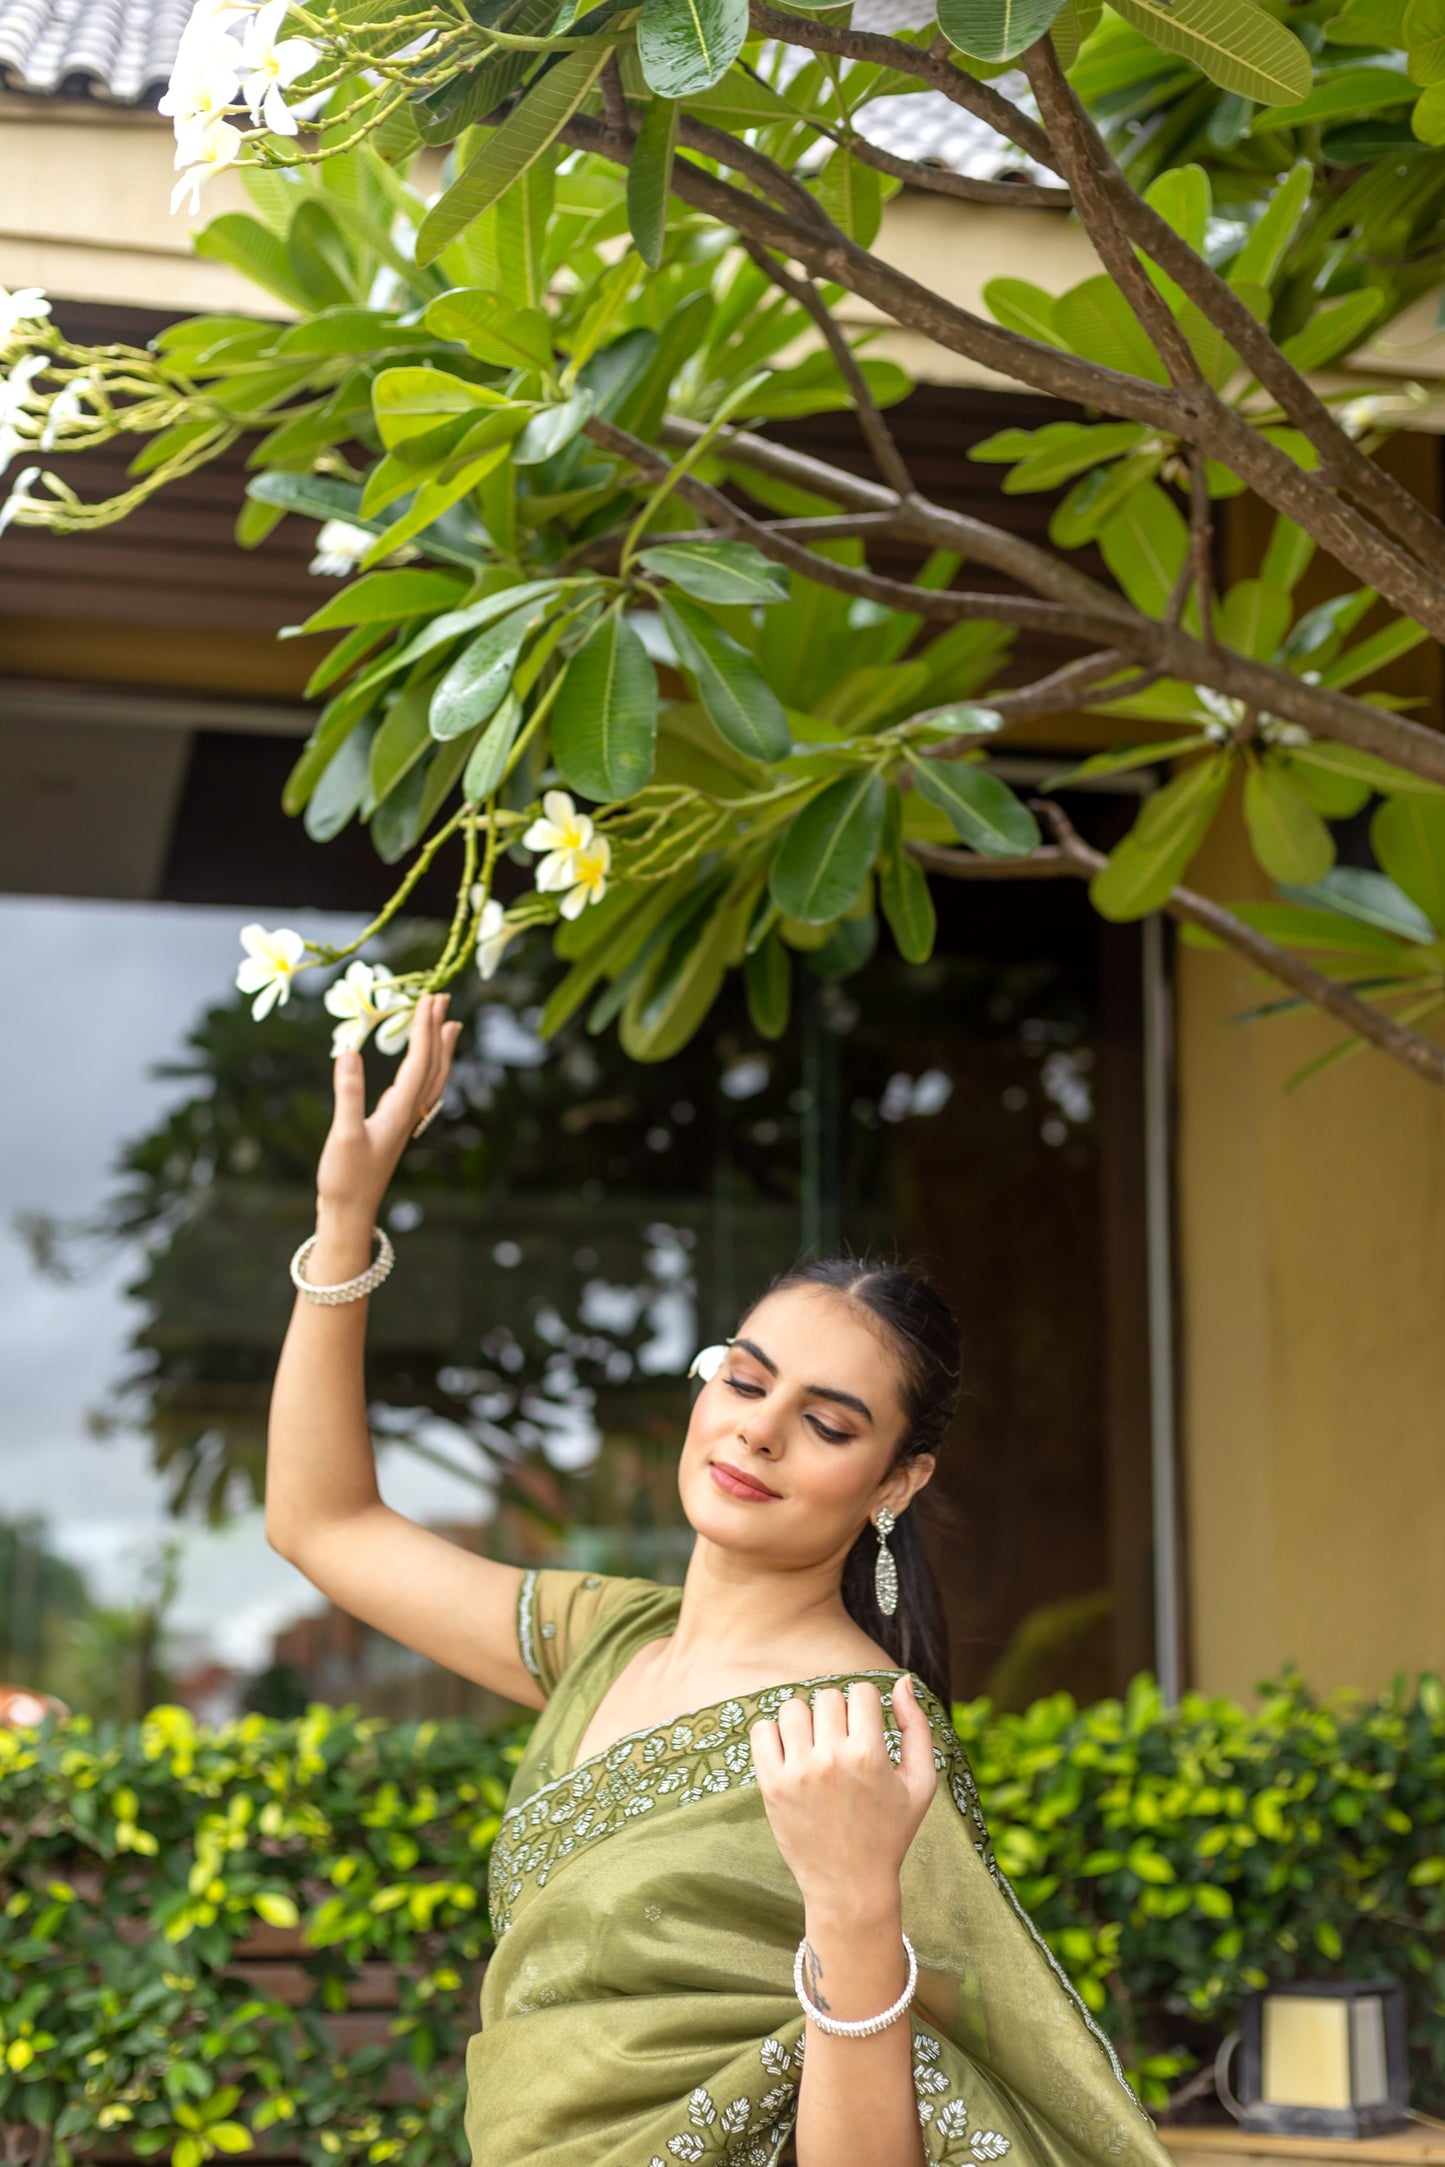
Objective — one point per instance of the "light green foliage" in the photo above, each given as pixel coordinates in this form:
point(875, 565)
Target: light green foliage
point(1171, 1858)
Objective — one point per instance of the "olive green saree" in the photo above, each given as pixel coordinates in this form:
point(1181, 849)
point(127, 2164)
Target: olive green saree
point(639, 2009)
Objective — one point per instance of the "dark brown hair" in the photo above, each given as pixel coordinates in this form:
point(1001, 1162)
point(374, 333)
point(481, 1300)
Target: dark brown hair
point(923, 1333)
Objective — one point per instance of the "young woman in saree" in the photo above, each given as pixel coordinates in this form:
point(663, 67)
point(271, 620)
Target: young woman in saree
point(745, 1905)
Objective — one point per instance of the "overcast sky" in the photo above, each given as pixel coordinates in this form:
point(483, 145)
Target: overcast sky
point(101, 994)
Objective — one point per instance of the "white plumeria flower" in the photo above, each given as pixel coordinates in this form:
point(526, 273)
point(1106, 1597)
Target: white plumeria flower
point(395, 1027)
point(1226, 714)
point(493, 934)
point(25, 306)
point(561, 832)
point(587, 876)
point(708, 1361)
point(271, 64)
point(24, 482)
point(67, 406)
point(271, 964)
point(15, 392)
point(361, 998)
point(203, 82)
point(339, 548)
point(218, 146)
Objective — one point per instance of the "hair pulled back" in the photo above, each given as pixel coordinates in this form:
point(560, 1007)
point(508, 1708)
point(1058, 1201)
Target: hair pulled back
point(923, 1333)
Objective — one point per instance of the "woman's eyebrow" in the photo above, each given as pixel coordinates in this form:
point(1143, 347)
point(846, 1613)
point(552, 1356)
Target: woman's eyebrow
point(814, 1391)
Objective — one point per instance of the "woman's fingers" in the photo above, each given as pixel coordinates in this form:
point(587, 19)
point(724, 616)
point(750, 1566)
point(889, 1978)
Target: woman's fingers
point(348, 1082)
point(830, 1717)
point(865, 1716)
point(767, 1751)
point(916, 1762)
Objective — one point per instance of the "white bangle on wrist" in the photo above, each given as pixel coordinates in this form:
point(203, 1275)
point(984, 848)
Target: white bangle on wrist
point(858, 2027)
point(347, 1290)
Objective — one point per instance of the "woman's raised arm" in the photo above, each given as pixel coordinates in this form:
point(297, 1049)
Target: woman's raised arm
point(323, 1508)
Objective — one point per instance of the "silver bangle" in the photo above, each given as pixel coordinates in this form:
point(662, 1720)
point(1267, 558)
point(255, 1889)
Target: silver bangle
point(349, 1290)
point(859, 2027)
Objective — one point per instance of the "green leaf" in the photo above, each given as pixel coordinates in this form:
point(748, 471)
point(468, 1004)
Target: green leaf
point(852, 195)
point(1424, 35)
point(904, 892)
point(739, 701)
point(1183, 199)
point(1145, 546)
point(1146, 866)
point(401, 740)
point(768, 980)
point(529, 129)
point(487, 760)
point(1290, 840)
point(474, 686)
point(1020, 306)
point(492, 329)
point(1253, 618)
point(984, 811)
point(1126, 758)
point(688, 45)
point(1073, 26)
point(1287, 558)
point(553, 429)
point(1408, 837)
point(1066, 448)
point(995, 29)
point(1333, 328)
point(380, 597)
point(464, 99)
point(669, 1000)
point(740, 101)
point(649, 177)
point(724, 572)
point(604, 722)
point(1095, 320)
point(828, 851)
point(1339, 96)
point(1233, 42)
point(338, 795)
point(1296, 925)
point(1376, 653)
point(256, 252)
point(1100, 497)
point(1428, 119)
point(1365, 767)
point(1272, 232)
point(1372, 899)
point(276, 1909)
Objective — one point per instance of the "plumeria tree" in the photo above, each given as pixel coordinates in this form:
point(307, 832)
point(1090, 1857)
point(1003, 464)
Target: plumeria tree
point(551, 271)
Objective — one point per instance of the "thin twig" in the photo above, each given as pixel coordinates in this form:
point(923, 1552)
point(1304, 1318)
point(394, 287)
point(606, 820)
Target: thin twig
point(891, 462)
point(1201, 546)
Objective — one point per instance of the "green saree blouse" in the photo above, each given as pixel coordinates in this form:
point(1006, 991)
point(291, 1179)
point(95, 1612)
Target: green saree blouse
point(639, 2008)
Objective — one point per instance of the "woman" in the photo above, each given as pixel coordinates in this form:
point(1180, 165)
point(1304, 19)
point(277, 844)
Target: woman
point(735, 1801)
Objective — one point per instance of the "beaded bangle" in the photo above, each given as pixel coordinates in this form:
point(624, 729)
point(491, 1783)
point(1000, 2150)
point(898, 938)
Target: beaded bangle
point(858, 2027)
point(349, 1290)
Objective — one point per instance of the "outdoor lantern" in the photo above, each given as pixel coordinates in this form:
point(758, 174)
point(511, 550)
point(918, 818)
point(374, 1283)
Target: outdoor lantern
point(1318, 2058)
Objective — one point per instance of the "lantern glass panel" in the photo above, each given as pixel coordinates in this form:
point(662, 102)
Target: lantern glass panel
point(1306, 2052)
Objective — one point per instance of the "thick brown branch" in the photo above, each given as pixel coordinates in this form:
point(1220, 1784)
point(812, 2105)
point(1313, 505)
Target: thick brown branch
point(1017, 195)
point(1074, 149)
point(1056, 693)
point(889, 458)
point(764, 173)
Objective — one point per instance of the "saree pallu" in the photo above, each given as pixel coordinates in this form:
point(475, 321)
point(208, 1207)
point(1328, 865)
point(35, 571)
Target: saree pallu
point(639, 2009)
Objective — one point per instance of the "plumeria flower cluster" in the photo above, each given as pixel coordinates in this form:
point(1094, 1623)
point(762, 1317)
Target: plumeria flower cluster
point(576, 859)
point(367, 997)
point(219, 75)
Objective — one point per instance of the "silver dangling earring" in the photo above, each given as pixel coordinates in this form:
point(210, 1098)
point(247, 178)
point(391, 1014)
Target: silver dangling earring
point(885, 1568)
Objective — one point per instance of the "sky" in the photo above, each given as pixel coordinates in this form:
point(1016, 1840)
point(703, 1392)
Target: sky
point(111, 990)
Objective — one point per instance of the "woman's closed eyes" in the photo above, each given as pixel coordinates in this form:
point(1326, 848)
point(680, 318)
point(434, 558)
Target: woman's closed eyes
point(748, 1390)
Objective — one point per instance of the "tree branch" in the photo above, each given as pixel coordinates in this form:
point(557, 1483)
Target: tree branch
point(940, 181)
point(1072, 858)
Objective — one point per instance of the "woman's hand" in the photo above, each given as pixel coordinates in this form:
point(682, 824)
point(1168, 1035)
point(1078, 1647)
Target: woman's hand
point(842, 1813)
point(362, 1150)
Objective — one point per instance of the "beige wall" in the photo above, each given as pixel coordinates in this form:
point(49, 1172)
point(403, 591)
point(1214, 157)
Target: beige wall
point(1312, 1268)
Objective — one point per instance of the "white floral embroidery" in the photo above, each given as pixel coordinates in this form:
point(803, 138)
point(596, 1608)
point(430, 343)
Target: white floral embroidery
point(744, 2133)
point(946, 2140)
point(685, 2147)
point(700, 2109)
point(987, 2144)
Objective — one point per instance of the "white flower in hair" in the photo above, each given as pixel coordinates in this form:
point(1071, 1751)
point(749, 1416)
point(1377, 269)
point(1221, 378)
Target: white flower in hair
point(709, 1361)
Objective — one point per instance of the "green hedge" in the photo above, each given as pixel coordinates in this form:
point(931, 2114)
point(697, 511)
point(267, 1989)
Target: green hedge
point(1172, 1858)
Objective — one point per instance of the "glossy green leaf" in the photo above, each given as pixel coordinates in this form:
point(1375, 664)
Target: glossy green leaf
point(984, 811)
point(1253, 618)
point(468, 97)
point(668, 1002)
point(1100, 496)
point(828, 851)
point(1145, 868)
point(1288, 555)
point(256, 252)
point(768, 981)
point(339, 793)
point(724, 572)
point(1066, 448)
point(1272, 232)
point(904, 892)
point(473, 688)
point(1339, 96)
point(1184, 200)
point(401, 740)
point(995, 29)
point(688, 45)
point(852, 195)
point(1408, 837)
point(381, 597)
point(529, 130)
point(492, 329)
point(1233, 42)
point(1333, 328)
point(604, 721)
point(553, 429)
point(1375, 653)
point(1145, 546)
point(1020, 306)
point(1074, 24)
point(1424, 36)
point(1288, 836)
point(1095, 320)
point(487, 760)
point(1370, 898)
point(649, 177)
point(739, 701)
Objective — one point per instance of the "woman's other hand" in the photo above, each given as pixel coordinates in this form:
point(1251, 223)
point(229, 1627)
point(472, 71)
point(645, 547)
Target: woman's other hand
point(362, 1150)
point(843, 1813)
